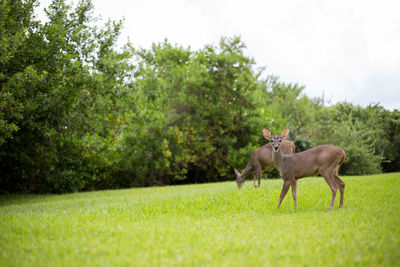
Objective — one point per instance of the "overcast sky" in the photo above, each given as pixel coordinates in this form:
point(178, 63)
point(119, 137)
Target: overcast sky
point(346, 50)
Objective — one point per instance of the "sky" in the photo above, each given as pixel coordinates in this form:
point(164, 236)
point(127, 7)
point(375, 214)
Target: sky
point(342, 50)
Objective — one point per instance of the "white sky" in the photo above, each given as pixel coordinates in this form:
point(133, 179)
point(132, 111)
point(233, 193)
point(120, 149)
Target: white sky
point(348, 50)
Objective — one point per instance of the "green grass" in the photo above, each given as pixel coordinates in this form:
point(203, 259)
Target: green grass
point(206, 225)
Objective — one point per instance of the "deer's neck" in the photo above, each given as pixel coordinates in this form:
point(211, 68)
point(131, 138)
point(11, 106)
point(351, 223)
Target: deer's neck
point(246, 172)
point(277, 158)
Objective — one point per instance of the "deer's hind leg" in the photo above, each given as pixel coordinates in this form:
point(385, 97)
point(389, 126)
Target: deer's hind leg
point(330, 180)
point(341, 185)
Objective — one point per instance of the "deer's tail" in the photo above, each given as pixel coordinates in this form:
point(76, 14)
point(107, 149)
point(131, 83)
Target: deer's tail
point(342, 159)
point(293, 148)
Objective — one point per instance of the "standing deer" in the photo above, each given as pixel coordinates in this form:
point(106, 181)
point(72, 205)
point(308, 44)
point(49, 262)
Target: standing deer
point(259, 160)
point(325, 160)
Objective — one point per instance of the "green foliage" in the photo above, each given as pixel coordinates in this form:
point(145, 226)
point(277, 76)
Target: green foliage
point(209, 224)
point(366, 134)
point(78, 113)
point(60, 85)
point(194, 110)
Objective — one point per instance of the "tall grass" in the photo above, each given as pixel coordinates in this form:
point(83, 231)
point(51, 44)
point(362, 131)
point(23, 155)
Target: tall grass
point(208, 224)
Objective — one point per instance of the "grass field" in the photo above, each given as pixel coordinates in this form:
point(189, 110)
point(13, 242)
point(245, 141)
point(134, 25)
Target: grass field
point(206, 225)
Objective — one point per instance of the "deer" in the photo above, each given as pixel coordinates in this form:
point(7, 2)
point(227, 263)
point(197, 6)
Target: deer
point(323, 159)
point(259, 160)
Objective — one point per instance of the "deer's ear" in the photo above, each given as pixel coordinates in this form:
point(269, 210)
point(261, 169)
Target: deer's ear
point(267, 134)
point(285, 133)
point(237, 172)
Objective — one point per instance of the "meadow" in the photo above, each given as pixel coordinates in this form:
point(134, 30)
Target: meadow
point(206, 225)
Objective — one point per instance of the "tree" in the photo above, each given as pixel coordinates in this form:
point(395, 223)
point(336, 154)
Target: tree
point(58, 86)
point(195, 112)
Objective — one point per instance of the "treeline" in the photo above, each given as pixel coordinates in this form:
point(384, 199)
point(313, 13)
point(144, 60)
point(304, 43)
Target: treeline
point(79, 113)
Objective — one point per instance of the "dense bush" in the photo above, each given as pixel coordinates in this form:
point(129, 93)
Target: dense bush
point(78, 113)
point(194, 111)
point(60, 87)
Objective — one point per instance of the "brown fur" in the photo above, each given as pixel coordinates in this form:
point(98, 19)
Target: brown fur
point(324, 160)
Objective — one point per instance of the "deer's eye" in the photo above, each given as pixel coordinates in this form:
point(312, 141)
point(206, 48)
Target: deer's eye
point(280, 140)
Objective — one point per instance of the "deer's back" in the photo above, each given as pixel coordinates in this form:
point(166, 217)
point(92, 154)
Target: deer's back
point(320, 153)
point(287, 147)
point(309, 162)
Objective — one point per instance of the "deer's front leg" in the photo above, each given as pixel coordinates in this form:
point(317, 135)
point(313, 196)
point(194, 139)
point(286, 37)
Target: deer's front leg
point(285, 188)
point(294, 192)
point(258, 173)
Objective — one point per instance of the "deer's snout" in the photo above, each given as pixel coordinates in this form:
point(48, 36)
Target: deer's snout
point(239, 183)
point(275, 143)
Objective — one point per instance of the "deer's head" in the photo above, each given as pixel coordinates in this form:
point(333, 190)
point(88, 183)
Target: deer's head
point(239, 179)
point(276, 140)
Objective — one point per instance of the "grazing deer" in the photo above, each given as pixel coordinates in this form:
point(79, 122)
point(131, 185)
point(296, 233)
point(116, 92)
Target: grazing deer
point(259, 160)
point(325, 160)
